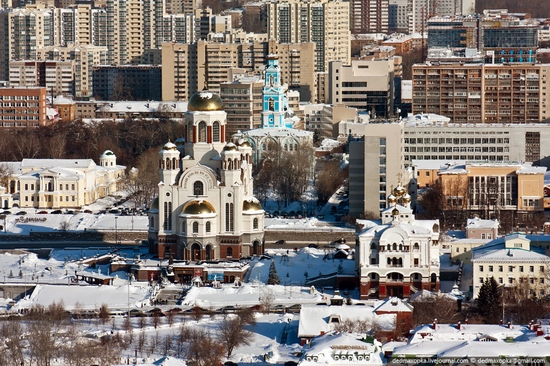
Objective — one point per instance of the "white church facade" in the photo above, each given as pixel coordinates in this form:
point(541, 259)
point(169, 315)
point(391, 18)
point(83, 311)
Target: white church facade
point(205, 209)
point(399, 255)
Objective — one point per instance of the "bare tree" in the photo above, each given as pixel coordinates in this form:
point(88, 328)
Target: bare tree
point(203, 349)
point(103, 313)
point(167, 342)
point(197, 313)
point(170, 318)
point(11, 354)
point(6, 172)
point(232, 333)
point(141, 183)
point(329, 179)
point(266, 300)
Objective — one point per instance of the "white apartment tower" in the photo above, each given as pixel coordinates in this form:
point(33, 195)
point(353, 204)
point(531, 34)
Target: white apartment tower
point(324, 22)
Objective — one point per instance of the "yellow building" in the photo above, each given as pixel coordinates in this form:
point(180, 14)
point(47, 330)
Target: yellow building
point(512, 261)
point(509, 191)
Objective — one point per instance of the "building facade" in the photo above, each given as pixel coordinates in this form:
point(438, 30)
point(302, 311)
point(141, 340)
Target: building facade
point(400, 256)
point(242, 101)
point(63, 183)
point(23, 107)
point(326, 23)
point(473, 93)
point(369, 16)
point(205, 209)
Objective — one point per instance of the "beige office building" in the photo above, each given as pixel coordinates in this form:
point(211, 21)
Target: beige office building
point(56, 76)
point(242, 101)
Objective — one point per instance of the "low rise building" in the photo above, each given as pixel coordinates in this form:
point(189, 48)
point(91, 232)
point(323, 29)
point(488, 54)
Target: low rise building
point(23, 107)
point(63, 183)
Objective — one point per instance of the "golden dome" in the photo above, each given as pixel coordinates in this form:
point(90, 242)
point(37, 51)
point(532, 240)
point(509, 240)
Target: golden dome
point(252, 206)
point(391, 198)
point(244, 143)
point(154, 204)
point(230, 147)
point(399, 190)
point(170, 146)
point(205, 101)
point(198, 208)
point(395, 212)
point(406, 198)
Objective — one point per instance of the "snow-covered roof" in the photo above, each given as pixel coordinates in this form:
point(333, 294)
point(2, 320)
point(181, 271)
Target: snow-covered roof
point(331, 348)
point(477, 223)
point(435, 164)
point(142, 106)
point(315, 319)
point(279, 132)
point(61, 163)
point(509, 254)
point(392, 304)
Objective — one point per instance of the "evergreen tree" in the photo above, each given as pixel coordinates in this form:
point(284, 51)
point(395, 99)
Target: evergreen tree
point(273, 275)
point(489, 301)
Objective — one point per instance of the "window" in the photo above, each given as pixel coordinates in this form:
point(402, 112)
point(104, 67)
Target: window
point(73, 197)
point(229, 252)
point(480, 268)
point(500, 280)
point(510, 280)
point(490, 268)
point(510, 268)
point(208, 226)
point(255, 224)
point(481, 280)
point(500, 268)
point(531, 268)
point(216, 131)
point(541, 269)
point(195, 227)
point(521, 268)
point(202, 131)
point(72, 186)
point(198, 188)
point(26, 187)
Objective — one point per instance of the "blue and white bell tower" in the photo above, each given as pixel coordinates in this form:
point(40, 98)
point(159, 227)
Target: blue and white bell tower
point(275, 102)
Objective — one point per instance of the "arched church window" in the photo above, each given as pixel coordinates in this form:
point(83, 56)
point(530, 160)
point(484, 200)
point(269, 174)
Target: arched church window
point(195, 227)
point(208, 228)
point(271, 104)
point(394, 246)
point(229, 252)
point(198, 188)
point(255, 224)
point(286, 147)
point(216, 131)
point(271, 79)
point(202, 131)
point(416, 246)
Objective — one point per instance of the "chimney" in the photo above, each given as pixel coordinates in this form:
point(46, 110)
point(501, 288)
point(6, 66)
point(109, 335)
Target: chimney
point(466, 321)
point(434, 324)
point(509, 325)
point(500, 322)
point(459, 326)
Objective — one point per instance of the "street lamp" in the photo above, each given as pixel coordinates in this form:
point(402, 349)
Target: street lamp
point(116, 231)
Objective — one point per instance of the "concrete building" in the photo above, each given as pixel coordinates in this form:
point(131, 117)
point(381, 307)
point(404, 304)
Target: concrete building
point(242, 100)
point(369, 16)
point(23, 107)
point(367, 85)
point(468, 93)
point(434, 137)
point(57, 76)
point(198, 214)
point(376, 166)
point(323, 119)
point(514, 260)
point(64, 183)
point(400, 256)
point(66, 108)
point(326, 23)
point(123, 82)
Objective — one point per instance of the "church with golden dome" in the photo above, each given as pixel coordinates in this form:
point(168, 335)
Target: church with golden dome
point(398, 255)
point(205, 210)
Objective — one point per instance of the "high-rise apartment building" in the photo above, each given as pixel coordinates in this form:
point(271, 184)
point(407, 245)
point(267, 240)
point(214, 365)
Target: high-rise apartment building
point(242, 101)
point(369, 16)
point(56, 76)
point(185, 67)
point(324, 22)
point(468, 93)
point(127, 82)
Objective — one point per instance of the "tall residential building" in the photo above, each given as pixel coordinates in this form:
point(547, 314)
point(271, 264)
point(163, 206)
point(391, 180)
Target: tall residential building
point(376, 167)
point(23, 107)
point(179, 71)
point(468, 93)
point(242, 101)
point(297, 67)
point(398, 16)
point(324, 22)
point(367, 85)
point(369, 16)
point(56, 76)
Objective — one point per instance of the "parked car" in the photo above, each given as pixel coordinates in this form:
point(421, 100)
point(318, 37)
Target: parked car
point(21, 213)
point(315, 246)
point(57, 212)
point(280, 242)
